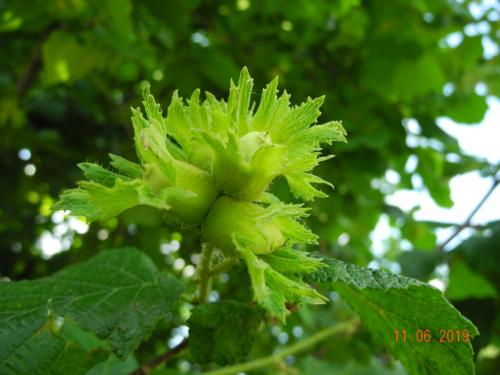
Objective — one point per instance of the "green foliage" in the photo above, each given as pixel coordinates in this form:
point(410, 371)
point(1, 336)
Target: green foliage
point(222, 332)
point(474, 283)
point(67, 59)
point(47, 324)
point(387, 302)
point(114, 366)
point(479, 253)
point(467, 109)
point(465, 283)
point(71, 70)
point(419, 264)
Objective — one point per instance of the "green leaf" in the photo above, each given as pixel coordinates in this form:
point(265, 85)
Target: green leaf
point(222, 332)
point(309, 140)
point(468, 109)
point(481, 254)
point(418, 77)
point(239, 100)
point(66, 58)
point(112, 201)
point(114, 366)
point(465, 283)
point(301, 185)
point(410, 77)
point(153, 112)
point(149, 137)
point(99, 202)
point(43, 351)
point(296, 120)
point(118, 18)
point(420, 235)
point(101, 175)
point(125, 166)
point(79, 203)
point(177, 124)
point(304, 147)
point(273, 110)
point(264, 113)
point(272, 290)
point(386, 302)
point(431, 167)
point(468, 54)
point(119, 295)
point(419, 264)
point(288, 260)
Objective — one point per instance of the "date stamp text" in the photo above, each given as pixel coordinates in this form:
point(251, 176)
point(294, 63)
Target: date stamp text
point(426, 336)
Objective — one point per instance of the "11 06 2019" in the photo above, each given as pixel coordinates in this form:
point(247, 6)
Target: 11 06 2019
point(426, 336)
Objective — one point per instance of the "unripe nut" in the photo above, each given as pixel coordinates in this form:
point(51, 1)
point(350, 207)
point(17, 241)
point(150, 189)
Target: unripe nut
point(229, 216)
point(251, 142)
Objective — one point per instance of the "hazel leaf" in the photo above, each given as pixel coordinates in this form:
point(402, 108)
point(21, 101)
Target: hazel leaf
point(222, 332)
point(52, 325)
point(387, 302)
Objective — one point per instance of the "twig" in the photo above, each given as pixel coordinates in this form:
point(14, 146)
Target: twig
point(203, 272)
point(222, 266)
point(147, 367)
point(467, 222)
point(35, 64)
point(345, 327)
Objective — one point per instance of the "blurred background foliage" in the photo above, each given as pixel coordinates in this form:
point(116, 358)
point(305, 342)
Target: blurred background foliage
point(71, 69)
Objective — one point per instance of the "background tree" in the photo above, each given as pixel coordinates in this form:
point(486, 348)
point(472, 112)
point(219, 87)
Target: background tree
point(71, 70)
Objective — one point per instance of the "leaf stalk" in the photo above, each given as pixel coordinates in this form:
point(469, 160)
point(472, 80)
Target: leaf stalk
point(347, 327)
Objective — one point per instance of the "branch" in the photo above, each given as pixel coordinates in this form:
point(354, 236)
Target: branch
point(467, 222)
point(347, 327)
point(35, 64)
point(147, 367)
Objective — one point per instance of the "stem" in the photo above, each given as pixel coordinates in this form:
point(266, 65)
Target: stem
point(467, 221)
point(147, 367)
point(222, 266)
point(203, 272)
point(344, 327)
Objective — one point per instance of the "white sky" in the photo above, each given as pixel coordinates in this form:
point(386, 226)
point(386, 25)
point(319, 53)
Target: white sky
point(482, 140)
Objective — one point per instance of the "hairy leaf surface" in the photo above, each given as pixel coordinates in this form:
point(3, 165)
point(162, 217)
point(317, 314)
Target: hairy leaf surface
point(46, 324)
point(386, 302)
point(222, 332)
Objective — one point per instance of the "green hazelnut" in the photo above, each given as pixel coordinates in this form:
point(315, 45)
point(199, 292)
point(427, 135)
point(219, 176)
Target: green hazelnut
point(229, 216)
